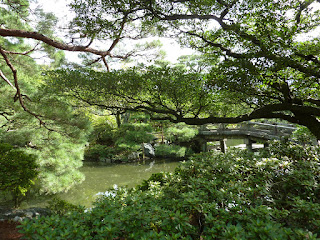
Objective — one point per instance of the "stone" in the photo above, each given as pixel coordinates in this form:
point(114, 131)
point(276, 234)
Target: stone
point(17, 215)
point(17, 219)
point(29, 214)
point(148, 150)
point(105, 160)
point(134, 156)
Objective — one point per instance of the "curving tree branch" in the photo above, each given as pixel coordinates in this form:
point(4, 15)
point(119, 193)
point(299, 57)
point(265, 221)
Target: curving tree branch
point(19, 95)
point(51, 42)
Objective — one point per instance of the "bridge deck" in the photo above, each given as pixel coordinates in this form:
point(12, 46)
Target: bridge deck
point(252, 130)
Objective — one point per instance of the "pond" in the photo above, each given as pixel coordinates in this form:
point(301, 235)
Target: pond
point(101, 177)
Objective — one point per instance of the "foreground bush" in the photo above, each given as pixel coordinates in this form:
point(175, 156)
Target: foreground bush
point(18, 170)
point(213, 196)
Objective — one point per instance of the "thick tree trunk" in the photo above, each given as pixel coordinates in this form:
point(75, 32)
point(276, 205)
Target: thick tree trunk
point(311, 122)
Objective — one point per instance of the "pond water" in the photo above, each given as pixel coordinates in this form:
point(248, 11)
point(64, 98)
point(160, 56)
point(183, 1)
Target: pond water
point(101, 177)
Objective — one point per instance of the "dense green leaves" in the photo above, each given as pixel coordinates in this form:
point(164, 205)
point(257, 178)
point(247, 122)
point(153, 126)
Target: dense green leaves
point(237, 195)
point(131, 136)
point(160, 92)
point(18, 171)
point(261, 54)
point(171, 151)
point(59, 152)
point(181, 133)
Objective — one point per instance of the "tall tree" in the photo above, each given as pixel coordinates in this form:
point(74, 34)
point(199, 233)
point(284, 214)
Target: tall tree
point(164, 93)
point(18, 24)
point(59, 154)
point(262, 55)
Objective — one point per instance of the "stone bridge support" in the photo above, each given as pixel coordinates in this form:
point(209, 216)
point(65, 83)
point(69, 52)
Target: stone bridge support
point(204, 145)
point(248, 143)
point(223, 145)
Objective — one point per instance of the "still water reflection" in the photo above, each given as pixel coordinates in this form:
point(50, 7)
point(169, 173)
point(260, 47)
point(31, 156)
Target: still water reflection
point(100, 178)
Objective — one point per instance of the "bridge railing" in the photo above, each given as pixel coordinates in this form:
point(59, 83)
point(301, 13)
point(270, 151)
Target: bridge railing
point(256, 128)
point(272, 128)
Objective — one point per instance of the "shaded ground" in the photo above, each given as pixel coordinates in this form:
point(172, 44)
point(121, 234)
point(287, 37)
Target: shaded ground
point(8, 230)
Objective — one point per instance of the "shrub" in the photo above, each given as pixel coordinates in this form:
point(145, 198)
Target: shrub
point(102, 133)
point(131, 136)
point(181, 132)
point(59, 156)
point(236, 195)
point(170, 151)
point(303, 136)
point(61, 207)
point(156, 177)
point(96, 151)
point(18, 171)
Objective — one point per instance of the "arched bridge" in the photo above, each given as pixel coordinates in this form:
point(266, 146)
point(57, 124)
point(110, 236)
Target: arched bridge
point(250, 131)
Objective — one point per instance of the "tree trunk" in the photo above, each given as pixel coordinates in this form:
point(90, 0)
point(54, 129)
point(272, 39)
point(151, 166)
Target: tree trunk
point(311, 122)
point(118, 119)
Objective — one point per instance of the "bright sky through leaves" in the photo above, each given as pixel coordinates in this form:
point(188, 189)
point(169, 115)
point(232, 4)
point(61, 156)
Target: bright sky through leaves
point(61, 10)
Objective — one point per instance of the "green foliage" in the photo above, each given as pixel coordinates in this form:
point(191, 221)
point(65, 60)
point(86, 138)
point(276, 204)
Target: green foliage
point(303, 136)
point(13, 12)
point(102, 133)
point(156, 177)
point(257, 63)
point(237, 195)
point(5, 147)
point(59, 152)
point(59, 165)
point(108, 143)
point(130, 136)
point(194, 63)
point(158, 91)
point(18, 171)
point(96, 152)
point(58, 158)
point(181, 133)
point(170, 151)
point(62, 207)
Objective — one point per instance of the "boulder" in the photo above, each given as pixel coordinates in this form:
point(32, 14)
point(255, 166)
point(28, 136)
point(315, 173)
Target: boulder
point(148, 150)
point(134, 156)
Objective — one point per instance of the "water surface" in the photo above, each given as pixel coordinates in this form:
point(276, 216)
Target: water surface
point(101, 177)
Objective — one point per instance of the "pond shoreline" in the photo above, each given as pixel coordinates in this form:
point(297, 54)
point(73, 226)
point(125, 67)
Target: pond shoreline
point(17, 215)
point(100, 177)
point(130, 161)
